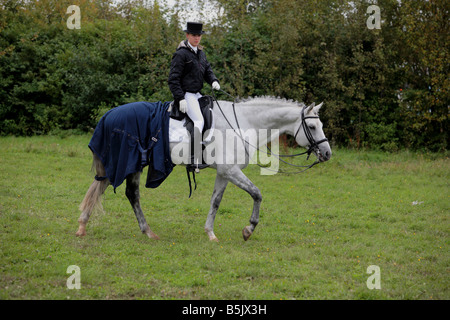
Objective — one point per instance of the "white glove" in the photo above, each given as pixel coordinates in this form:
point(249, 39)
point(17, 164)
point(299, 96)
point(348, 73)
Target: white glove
point(216, 85)
point(183, 106)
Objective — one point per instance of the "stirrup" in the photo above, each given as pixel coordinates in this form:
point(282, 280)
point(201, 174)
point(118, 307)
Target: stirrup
point(196, 167)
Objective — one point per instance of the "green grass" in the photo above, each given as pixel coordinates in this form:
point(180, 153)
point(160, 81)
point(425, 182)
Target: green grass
point(318, 231)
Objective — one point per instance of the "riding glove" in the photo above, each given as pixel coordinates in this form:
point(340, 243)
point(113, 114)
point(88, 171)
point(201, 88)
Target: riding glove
point(183, 106)
point(216, 85)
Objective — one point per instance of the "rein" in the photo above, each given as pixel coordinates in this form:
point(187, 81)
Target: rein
point(313, 145)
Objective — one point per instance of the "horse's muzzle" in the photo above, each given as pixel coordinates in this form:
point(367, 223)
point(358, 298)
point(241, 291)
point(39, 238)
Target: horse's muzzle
point(322, 157)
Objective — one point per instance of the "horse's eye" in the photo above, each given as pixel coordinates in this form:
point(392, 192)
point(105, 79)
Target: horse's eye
point(312, 127)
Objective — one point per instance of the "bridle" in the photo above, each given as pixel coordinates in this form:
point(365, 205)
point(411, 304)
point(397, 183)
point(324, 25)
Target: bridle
point(313, 145)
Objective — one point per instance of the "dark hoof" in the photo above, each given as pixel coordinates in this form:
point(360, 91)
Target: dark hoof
point(246, 233)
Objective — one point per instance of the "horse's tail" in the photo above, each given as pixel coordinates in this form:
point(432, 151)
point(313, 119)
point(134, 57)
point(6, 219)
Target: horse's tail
point(92, 199)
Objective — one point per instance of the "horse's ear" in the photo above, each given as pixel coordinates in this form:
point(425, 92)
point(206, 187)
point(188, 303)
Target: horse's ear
point(317, 108)
point(311, 107)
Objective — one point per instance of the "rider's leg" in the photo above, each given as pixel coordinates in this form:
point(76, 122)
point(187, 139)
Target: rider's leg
point(193, 110)
point(196, 116)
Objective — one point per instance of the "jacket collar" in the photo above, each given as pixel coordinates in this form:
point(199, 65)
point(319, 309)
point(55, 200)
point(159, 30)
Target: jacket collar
point(184, 44)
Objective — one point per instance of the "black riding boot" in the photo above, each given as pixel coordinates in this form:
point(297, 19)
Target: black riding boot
point(196, 161)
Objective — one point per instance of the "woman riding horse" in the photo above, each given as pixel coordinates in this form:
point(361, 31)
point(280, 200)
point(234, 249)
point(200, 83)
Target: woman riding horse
point(188, 70)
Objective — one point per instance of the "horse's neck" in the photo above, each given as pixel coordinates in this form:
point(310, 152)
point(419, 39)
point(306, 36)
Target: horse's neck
point(277, 119)
point(281, 118)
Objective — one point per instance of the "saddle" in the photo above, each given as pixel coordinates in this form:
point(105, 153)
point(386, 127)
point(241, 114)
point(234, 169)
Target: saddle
point(206, 107)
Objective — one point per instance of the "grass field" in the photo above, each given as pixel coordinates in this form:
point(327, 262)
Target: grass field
point(319, 231)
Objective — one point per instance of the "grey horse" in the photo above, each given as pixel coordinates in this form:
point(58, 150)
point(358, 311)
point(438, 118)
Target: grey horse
point(232, 145)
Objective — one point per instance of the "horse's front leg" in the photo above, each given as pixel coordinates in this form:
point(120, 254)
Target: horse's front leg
point(219, 188)
point(237, 177)
point(132, 193)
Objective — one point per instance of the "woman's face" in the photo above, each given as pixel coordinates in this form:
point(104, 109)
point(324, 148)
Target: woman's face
point(194, 39)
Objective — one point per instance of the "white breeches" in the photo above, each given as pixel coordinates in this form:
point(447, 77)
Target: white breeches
point(193, 109)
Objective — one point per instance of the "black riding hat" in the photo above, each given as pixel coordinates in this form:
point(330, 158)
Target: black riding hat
point(194, 28)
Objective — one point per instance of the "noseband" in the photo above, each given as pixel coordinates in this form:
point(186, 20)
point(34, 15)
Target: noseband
point(313, 145)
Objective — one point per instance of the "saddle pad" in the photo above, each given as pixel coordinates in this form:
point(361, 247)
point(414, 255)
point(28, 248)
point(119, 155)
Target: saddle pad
point(177, 131)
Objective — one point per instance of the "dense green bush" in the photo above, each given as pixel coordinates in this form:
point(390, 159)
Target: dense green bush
point(384, 89)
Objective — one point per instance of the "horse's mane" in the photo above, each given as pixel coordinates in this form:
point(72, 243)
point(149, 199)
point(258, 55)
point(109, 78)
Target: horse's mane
point(266, 100)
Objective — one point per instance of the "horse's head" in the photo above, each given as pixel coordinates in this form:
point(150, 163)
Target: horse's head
point(310, 134)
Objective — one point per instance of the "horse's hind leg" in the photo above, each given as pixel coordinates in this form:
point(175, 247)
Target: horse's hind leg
point(92, 198)
point(132, 193)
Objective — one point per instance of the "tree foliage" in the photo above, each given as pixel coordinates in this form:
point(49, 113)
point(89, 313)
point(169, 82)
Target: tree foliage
point(383, 88)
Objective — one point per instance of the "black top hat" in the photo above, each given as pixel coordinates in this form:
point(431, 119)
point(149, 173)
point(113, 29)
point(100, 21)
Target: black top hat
point(194, 28)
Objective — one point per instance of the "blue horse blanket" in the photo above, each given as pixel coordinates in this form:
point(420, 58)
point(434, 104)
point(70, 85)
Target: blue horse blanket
point(132, 136)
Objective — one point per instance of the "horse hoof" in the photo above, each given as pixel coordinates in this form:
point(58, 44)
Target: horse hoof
point(80, 234)
point(212, 236)
point(152, 235)
point(246, 233)
point(81, 231)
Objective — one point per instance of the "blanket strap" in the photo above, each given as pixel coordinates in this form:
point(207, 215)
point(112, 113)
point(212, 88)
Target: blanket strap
point(145, 153)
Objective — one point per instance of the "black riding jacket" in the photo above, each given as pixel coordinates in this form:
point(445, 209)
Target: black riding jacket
point(188, 71)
